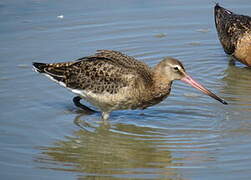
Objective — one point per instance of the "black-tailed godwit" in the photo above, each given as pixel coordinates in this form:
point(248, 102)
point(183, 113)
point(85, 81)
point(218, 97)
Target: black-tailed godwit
point(113, 81)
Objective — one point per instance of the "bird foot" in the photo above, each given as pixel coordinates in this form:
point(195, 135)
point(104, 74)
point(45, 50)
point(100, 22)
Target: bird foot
point(231, 62)
point(76, 101)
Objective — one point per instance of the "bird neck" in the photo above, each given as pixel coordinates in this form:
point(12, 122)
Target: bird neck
point(162, 84)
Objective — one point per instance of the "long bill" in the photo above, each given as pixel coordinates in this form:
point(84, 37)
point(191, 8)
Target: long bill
point(188, 79)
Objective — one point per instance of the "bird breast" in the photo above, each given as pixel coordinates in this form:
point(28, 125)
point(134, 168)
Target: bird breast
point(243, 49)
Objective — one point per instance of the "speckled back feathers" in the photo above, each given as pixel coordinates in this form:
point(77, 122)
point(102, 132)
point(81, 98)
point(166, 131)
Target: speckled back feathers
point(106, 71)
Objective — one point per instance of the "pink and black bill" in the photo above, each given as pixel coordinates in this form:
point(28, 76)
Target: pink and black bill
point(192, 82)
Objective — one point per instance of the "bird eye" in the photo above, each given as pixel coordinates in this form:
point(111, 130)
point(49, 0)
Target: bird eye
point(176, 68)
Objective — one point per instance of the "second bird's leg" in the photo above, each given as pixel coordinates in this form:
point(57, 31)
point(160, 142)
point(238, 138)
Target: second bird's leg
point(76, 101)
point(231, 61)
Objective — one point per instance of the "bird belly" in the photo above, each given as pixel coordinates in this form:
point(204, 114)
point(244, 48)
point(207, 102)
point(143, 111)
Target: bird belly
point(109, 102)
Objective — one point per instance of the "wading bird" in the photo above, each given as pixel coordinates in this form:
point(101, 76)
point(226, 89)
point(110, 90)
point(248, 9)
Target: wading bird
point(112, 81)
point(234, 32)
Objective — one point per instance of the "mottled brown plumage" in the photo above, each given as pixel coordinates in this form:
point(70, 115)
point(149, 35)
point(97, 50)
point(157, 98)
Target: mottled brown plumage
point(234, 32)
point(112, 81)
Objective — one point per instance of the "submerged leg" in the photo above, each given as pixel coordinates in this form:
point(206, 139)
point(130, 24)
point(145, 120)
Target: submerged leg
point(231, 61)
point(105, 115)
point(76, 101)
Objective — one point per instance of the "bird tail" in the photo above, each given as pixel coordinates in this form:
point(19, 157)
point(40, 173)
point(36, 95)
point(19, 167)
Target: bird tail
point(55, 71)
point(39, 67)
point(220, 12)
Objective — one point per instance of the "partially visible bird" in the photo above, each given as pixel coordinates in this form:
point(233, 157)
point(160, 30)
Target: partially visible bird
point(234, 32)
point(112, 81)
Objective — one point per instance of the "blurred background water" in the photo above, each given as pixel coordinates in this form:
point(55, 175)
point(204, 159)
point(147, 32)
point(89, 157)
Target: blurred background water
point(188, 136)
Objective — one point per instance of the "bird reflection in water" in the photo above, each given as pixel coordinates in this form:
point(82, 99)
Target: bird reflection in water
point(238, 86)
point(110, 151)
point(238, 80)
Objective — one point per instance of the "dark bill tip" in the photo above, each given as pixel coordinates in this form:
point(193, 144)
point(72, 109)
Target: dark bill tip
point(224, 102)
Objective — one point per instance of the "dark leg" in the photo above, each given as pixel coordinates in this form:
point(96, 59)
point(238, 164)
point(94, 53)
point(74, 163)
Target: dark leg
point(76, 101)
point(231, 61)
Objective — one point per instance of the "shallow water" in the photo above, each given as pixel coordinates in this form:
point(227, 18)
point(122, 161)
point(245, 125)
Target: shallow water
point(187, 136)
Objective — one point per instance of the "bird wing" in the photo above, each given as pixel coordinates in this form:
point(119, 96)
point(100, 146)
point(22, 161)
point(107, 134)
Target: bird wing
point(107, 71)
point(98, 76)
point(127, 62)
